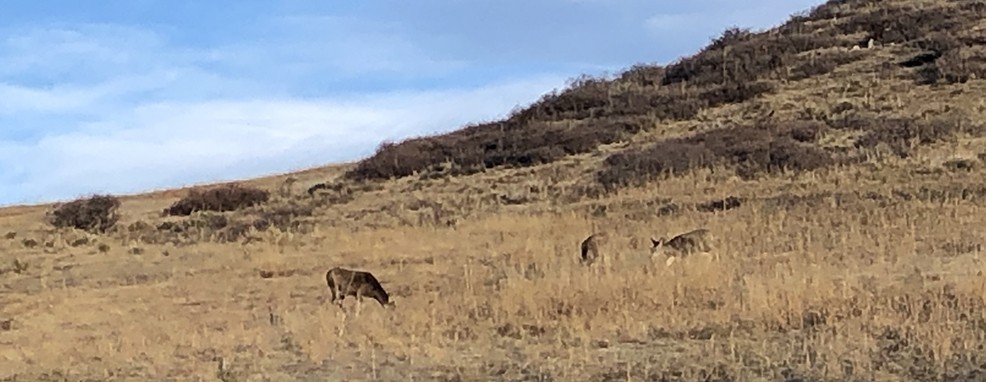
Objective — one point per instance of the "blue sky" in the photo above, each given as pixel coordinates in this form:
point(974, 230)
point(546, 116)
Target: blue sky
point(124, 96)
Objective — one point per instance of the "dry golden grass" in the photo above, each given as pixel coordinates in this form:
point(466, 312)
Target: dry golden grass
point(502, 296)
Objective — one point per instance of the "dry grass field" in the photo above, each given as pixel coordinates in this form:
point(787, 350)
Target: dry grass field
point(850, 282)
point(865, 268)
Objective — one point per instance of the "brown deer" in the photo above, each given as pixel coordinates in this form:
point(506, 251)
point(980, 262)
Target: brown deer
point(344, 282)
point(683, 245)
point(590, 247)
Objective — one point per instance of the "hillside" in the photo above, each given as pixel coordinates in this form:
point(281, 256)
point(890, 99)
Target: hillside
point(838, 158)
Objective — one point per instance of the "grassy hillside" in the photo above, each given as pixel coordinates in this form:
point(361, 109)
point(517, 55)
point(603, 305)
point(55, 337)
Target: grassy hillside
point(844, 186)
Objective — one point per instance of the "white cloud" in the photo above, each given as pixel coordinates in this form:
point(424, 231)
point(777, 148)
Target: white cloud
point(140, 113)
point(171, 143)
point(82, 52)
point(353, 46)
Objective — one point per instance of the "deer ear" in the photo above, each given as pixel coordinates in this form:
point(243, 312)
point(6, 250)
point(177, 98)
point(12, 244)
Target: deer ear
point(655, 242)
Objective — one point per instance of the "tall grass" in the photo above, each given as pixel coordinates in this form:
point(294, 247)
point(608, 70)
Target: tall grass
point(870, 293)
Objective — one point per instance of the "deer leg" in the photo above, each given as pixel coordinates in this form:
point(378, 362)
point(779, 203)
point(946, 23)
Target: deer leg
point(341, 298)
point(359, 301)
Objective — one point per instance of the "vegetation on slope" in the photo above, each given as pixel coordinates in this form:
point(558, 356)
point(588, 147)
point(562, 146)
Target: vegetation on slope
point(96, 214)
point(936, 40)
point(219, 199)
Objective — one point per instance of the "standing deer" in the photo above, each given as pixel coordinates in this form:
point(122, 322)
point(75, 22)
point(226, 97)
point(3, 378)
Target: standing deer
point(344, 282)
point(683, 245)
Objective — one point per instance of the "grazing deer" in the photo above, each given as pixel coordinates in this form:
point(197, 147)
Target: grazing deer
point(699, 240)
point(344, 282)
point(590, 247)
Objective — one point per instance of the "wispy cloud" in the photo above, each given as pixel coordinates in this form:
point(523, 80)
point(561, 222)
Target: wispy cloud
point(169, 144)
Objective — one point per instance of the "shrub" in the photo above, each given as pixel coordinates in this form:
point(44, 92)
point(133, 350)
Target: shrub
point(740, 57)
point(762, 149)
point(805, 131)
point(481, 147)
point(821, 64)
point(643, 75)
point(726, 204)
point(952, 67)
point(750, 150)
point(901, 135)
point(960, 165)
point(95, 214)
point(898, 23)
point(219, 199)
point(636, 167)
point(784, 154)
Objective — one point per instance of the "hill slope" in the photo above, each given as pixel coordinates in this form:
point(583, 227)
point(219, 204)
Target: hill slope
point(844, 187)
point(921, 43)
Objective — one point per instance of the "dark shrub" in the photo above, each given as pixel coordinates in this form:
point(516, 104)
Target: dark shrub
point(805, 131)
point(750, 150)
point(218, 199)
point(959, 165)
point(481, 147)
point(784, 154)
point(398, 160)
point(734, 93)
point(643, 75)
point(739, 57)
point(634, 168)
point(728, 203)
point(756, 150)
point(79, 242)
point(921, 59)
point(897, 23)
point(95, 214)
point(900, 134)
point(337, 187)
point(261, 224)
point(822, 63)
point(937, 43)
point(585, 95)
point(956, 66)
point(315, 188)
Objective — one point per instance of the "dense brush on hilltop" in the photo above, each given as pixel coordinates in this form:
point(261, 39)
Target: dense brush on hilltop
point(927, 42)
